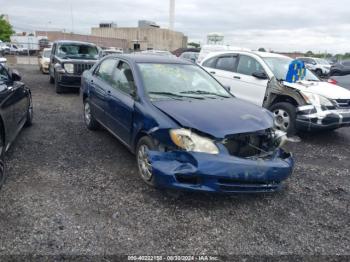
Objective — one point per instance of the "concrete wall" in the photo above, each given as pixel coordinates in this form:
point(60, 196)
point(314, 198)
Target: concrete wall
point(148, 38)
point(100, 41)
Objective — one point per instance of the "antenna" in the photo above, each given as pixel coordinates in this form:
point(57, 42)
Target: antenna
point(171, 14)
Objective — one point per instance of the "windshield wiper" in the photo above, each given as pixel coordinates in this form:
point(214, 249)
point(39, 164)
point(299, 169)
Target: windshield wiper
point(201, 92)
point(173, 95)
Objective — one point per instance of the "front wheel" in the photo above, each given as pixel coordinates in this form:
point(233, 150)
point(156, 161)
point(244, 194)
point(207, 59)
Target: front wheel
point(144, 166)
point(285, 117)
point(57, 86)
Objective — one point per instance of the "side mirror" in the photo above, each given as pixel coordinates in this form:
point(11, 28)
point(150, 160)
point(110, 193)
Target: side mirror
point(16, 76)
point(260, 75)
point(227, 87)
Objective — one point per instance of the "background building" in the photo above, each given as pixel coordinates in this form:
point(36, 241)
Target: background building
point(100, 41)
point(147, 36)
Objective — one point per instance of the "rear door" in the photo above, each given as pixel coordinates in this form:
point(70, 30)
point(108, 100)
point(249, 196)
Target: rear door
point(246, 86)
point(99, 86)
point(222, 68)
point(120, 102)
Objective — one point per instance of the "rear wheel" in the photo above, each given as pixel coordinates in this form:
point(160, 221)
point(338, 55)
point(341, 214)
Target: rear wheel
point(145, 168)
point(285, 116)
point(89, 119)
point(2, 164)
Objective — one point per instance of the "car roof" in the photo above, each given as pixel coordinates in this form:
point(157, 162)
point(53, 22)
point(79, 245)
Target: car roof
point(144, 58)
point(74, 42)
point(260, 54)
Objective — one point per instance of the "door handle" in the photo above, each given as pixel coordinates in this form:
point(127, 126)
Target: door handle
point(212, 72)
point(237, 77)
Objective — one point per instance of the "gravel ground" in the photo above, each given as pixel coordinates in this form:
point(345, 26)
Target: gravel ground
point(73, 191)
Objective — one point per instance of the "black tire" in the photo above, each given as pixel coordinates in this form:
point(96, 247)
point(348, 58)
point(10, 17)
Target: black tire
point(51, 79)
point(57, 86)
point(284, 110)
point(2, 163)
point(145, 143)
point(319, 72)
point(30, 113)
point(90, 121)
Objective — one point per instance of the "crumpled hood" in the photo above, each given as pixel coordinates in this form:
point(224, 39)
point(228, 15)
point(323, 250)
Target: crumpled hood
point(217, 117)
point(321, 88)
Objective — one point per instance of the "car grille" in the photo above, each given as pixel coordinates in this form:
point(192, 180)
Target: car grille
point(80, 68)
point(343, 103)
point(250, 144)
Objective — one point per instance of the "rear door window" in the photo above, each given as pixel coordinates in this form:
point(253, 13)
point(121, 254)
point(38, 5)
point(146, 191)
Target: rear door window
point(226, 63)
point(4, 76)
point(211, 63)
point(248, 65)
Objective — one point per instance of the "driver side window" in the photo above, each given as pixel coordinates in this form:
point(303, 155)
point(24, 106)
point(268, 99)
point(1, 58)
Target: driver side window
point(105, 70)
point(248, 65)
point(122, 78)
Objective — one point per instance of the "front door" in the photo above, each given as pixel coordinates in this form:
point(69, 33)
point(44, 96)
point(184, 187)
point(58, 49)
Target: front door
point(99, 85)
point(120, 102)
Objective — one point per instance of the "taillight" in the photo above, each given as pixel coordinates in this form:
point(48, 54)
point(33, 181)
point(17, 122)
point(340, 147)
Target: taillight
point(332, 81)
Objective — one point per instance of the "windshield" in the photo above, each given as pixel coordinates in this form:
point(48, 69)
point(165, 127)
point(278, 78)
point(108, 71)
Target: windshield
point(47, 53)
point(178, 81)
point(280, 65)
point(77, 51)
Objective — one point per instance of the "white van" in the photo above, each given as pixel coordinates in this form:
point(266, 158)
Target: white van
point(259, 77)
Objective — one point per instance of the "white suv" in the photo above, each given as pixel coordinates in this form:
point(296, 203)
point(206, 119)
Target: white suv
point(320, 66)
point(259, 77)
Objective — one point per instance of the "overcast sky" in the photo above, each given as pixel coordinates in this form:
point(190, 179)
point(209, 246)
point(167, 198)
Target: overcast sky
point(298, 25)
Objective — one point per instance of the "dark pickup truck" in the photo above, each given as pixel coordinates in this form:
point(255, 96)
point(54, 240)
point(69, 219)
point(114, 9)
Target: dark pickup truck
point(68, 60)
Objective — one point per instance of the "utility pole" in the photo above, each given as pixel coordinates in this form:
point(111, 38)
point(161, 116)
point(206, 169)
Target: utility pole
point(71, 15)
point(171, 14)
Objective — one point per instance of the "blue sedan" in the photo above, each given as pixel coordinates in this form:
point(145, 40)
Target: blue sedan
point(186, 130)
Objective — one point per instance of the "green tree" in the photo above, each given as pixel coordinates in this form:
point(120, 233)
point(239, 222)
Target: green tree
point(309, 53)
point(5, 29)
point(261, 49)
point(195, 45)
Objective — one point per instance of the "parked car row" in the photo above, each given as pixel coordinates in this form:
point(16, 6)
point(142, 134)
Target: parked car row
point(217, 127)
point(259, 77)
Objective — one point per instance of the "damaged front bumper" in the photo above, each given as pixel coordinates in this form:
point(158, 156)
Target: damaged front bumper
point(311, 119)
point(220, 173)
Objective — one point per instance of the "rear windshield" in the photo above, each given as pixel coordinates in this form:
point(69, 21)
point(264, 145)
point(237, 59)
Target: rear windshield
point(77, 51)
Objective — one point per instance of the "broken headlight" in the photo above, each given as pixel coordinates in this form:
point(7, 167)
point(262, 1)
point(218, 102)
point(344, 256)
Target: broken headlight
point(190, 141)
point(279, 138)
point(317, 100)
